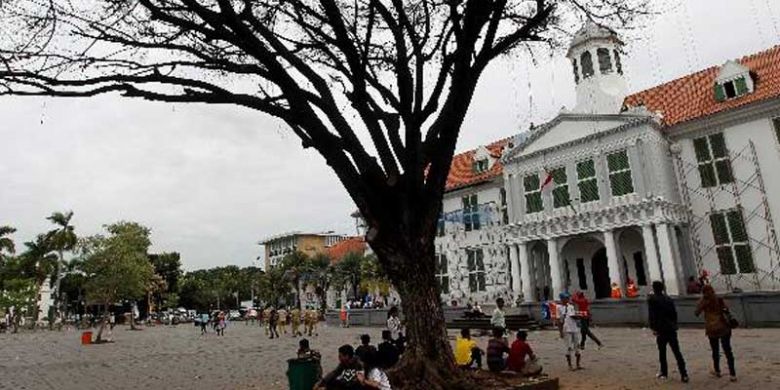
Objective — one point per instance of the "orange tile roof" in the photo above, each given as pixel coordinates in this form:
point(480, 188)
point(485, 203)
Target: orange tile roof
point(462, 173)
point(692, 97)
point(342, 248)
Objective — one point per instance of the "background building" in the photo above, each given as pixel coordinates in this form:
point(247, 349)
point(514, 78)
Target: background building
point(276, 247)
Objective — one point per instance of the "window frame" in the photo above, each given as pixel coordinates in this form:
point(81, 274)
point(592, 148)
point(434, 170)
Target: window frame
point(533, 192)
point(585, 64)
point(611, 174)
point(582, 180)
point(726, 250)
point(475, 264)
point(440, 225)
point(715, 164)
point(776, 127)
point(560, 188)
point(471, 220)
point(503, 206)
point(443, 273)
point(481, 166)
point(605, 61)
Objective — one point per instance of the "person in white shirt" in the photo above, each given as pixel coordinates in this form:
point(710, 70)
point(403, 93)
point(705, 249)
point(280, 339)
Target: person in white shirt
point(374, 378)
point(498, 319)
point(569, 330)
point(393, 322)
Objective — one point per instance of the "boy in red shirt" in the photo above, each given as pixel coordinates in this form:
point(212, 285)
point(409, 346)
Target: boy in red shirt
point(518, 352)
point(583, 307)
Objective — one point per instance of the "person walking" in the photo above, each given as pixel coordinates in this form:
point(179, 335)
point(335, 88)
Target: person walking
point(583, 311)
point(204, 322)
point(273, 318)
point(662, 316)
point(569, 330)
point(717, 328)
point(282, 322)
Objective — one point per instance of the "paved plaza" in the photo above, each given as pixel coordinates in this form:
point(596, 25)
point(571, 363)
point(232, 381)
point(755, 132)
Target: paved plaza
point(179, 358)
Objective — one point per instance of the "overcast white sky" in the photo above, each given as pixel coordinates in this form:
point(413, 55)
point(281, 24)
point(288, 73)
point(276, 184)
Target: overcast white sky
point(211, 181)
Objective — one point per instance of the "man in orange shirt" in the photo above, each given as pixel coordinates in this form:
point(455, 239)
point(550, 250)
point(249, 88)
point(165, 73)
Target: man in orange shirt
point(616, 293)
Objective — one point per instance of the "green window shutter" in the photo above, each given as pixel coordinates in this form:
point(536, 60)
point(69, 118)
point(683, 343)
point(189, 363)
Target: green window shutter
point(719, 230)
point(559, 175)
point(617, 161)
point(737, 226)
point(586, 169)
point(776, 122)
point(718, 144)
point(533, 203)
point(720, 93)
point(589, 191)
point(745, 259)
point(723, 167)
point(561, 197)
point(707, 174)
point(726, 260)
point(531, 183)
point(741, 85)
point(621, 183)
point(702, 149)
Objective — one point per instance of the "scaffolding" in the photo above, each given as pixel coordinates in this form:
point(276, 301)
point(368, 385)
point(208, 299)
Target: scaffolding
point(747, 193)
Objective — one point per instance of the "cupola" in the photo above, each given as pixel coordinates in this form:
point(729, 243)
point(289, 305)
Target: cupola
point(595, 54)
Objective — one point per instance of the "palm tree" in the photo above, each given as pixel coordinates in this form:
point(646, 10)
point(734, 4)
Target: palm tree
point(320, 274)
point(6, 243)
point(296, 266)
point(40, 263)
point(63, 239)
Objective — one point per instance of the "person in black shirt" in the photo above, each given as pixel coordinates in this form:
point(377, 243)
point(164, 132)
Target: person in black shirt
point(388, 352)
point(663, 321)
point(345, 376)
point(365, 347)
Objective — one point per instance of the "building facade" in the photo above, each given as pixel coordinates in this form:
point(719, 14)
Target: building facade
point(279, 246)
point(662, 184)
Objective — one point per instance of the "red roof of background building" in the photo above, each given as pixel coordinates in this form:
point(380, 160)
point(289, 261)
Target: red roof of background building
point(342, 248)
point(462, 172)
point(693, 97)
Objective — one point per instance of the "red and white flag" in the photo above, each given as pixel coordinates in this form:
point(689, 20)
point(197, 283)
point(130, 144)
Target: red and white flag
point(548, 183)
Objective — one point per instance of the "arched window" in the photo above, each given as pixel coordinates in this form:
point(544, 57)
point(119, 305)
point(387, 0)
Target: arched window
point(605, 63)
point(618, 64)
point(576, 71)
point(586, 61)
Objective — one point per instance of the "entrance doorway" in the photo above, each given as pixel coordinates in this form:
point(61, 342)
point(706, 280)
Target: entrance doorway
point(600, 271)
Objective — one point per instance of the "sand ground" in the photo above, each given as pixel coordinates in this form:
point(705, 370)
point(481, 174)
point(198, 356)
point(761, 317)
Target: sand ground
point(180, 358)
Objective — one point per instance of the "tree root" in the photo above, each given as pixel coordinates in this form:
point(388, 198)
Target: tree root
point(413, 373)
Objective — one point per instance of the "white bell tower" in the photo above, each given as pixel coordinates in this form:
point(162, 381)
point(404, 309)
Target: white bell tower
point(598, 70)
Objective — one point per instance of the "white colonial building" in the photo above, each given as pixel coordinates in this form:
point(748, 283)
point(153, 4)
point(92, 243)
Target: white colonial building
point(658, 185)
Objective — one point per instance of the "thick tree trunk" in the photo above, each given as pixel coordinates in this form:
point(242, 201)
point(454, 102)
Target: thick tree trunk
point(428, 362)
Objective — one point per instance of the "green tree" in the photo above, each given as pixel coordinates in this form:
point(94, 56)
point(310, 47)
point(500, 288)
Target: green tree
point(6, 243)
point(274, 286)
point(295, 266)
point(168, 266)
point(348, 272)
point(320, 275)
point(117, 266)
point(19, 293)
point(62, 239)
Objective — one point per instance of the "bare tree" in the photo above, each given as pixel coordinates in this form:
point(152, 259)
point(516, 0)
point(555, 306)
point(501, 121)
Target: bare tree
point(400, 72)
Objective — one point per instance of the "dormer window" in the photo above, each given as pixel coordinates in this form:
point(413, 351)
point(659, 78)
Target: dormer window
point(481, 165)
point(733, 81)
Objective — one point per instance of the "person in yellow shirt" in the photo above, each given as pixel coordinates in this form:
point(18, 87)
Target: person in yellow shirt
point(295, 320)
point(467, 354)
point(312, 318)
point(266, 319)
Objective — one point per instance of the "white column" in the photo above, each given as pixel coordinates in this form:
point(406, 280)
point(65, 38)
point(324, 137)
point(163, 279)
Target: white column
point(525, 272)
point(666, 253)
point(555, 267)
point(516, 286)
point(613, 261)
point(651, 254)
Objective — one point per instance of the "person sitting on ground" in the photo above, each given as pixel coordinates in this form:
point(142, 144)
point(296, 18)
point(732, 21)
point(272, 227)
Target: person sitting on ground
point(467, 354)
point(388, 352)
point(632, 291)
point(345, 376)
point(393, 322)
point(306, 353)
point(498, 319)
point(497, 347)
point(400, 342)
point(519, 350)
point(374, 377)
point(365, 347)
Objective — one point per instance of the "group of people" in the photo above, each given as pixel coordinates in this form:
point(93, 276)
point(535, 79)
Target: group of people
point(718, 324)
point(276, 320)
point(217, 319)
point(362, 368)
